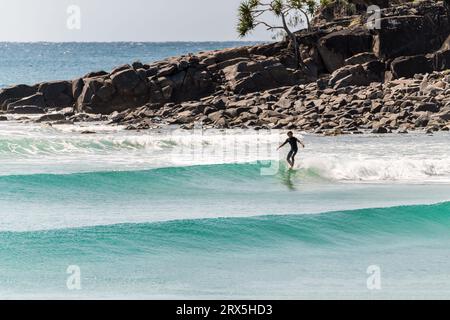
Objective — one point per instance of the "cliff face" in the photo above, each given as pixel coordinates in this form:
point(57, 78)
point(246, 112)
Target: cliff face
point(216, 87)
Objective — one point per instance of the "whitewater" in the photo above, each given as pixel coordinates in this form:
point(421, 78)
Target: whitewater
point(216, 214)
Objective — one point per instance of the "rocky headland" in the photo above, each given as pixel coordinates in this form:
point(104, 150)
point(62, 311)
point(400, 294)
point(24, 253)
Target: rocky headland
point(356, 79)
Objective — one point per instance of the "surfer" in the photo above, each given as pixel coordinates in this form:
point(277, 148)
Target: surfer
point(293, 141)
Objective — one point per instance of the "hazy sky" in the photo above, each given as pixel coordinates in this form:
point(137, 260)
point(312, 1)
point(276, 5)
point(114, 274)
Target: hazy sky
point(121, 20)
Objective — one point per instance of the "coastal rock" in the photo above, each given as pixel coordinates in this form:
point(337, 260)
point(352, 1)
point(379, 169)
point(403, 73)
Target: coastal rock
point(36, 100)
point(357, 75)
point(57, 94)
point(409, 66)
point(338, 46)
point(125, 81)
point(253, 75)
point(427, 107)
point(27, 110)
point(361, 58)
point(412, 34)
point(51, 117)
point(15, 93)
point(103, 95)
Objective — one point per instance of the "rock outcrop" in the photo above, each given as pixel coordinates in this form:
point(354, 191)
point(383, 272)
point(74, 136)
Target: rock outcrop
point(422, 102)
point(355, 78)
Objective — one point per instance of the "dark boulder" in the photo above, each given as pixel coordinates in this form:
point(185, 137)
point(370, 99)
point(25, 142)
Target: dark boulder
point(361, 58)
point(27, 110)
point(34, 100)
point(57, 94)
point(16, 93)
point(51, 117)
point(409, 66)
point(338, 46)
point(410, 35)
point(126, 81)
point(123, 91)
point(357, 75)
point(380, 130)
point(427, 107)
point(77, 88)
point(252, 76)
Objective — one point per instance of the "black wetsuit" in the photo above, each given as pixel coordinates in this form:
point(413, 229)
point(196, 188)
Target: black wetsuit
point(294, 147)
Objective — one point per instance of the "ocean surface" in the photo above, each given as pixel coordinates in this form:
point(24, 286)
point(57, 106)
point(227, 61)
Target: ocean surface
point(216, 214)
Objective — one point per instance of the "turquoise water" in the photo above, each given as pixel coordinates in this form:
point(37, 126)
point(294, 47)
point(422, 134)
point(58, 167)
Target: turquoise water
point(36, 62)
point(142, 215)
point(293, 256)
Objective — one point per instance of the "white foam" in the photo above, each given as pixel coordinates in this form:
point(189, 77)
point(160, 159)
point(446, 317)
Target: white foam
point(31, 148)
point(363, 169)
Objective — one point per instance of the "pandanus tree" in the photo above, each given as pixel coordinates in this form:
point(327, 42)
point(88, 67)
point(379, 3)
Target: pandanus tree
point(290, 14)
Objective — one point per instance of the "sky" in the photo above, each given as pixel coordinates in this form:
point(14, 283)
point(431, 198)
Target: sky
point(121, 20)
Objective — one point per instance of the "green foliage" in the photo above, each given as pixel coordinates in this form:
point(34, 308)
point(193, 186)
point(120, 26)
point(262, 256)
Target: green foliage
point(277, 7)
point(246, 20)
point(311, 6)
point(251, 13)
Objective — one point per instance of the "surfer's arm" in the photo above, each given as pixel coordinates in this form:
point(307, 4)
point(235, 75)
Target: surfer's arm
point(282, 145)
point(299, 141)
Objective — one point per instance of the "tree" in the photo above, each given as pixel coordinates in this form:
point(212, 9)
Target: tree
point(290, 12)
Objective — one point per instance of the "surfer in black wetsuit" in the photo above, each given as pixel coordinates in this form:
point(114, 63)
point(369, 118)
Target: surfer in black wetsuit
point(293, 141)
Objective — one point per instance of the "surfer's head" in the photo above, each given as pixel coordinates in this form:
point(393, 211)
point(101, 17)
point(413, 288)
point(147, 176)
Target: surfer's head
point(290, 134)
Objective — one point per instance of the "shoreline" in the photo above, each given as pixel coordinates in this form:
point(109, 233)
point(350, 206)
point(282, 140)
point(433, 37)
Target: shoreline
point(97, 126)
point(283, 108)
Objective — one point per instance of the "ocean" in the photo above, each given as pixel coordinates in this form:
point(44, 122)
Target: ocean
point(212, 214)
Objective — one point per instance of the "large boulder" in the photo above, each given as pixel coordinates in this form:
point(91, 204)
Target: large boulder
point(409, 66)
point(15, 93)
point(338, 46)
point(361, 58)
point(36, 100)
point(357, 75)
point(125, 81)
point(122, 90)
point(256, 75)
point(196, 84)
point(57, 94)
point(420, 64)
point(410, 35)
point(27, 110)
